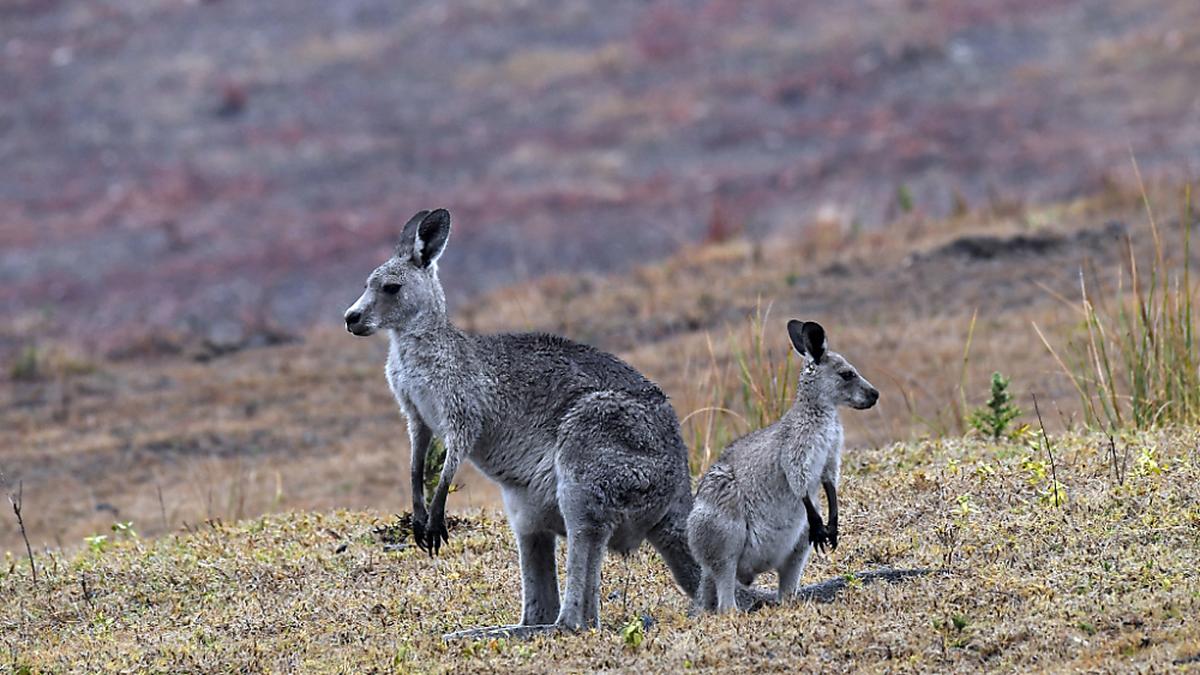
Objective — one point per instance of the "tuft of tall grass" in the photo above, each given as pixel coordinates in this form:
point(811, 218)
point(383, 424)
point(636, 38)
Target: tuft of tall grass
point(1134, 361)
point(766, 370)
point(748, 390)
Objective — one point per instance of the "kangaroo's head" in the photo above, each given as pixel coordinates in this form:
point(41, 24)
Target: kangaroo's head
point(405, 290)
point(827, 376)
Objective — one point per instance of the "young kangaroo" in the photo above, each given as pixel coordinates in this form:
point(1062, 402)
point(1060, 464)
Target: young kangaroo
point(745, 519)
point(582, 445)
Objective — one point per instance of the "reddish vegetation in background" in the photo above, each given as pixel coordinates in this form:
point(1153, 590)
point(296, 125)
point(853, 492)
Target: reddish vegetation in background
point(175, 166)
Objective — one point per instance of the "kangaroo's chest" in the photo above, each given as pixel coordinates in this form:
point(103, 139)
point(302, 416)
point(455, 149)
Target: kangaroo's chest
point(417, 395)
point(810, 463)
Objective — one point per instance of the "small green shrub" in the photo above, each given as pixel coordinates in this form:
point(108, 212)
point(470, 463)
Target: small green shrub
point(993, 419)
point(904, 198)
point(27, 366)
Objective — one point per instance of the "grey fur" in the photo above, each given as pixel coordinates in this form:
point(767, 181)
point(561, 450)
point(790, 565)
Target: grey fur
point(582, 445)
point(748, 512)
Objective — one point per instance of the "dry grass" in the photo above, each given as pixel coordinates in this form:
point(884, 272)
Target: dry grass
point(1106, 582)
point(749, 390)
point(1135, 363)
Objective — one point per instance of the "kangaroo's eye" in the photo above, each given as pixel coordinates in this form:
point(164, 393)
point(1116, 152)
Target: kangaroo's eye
point(847, 375)
point(391, 289)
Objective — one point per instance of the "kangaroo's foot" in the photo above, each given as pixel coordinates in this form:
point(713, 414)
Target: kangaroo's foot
point(571, 625)
point(514, 632)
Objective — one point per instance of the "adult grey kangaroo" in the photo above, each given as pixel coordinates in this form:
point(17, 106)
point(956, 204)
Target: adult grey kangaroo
point(582, 445)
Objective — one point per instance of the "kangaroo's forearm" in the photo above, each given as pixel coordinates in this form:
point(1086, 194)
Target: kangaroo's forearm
point(810, 510)
point(421, 438)
point(831, 497)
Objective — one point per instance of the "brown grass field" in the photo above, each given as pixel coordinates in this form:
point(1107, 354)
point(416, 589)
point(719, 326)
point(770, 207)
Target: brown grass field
point(1105, 581)
point(190, 455)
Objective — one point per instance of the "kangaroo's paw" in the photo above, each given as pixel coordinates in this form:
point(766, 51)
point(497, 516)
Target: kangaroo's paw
point(819, 537)
point(434, 534)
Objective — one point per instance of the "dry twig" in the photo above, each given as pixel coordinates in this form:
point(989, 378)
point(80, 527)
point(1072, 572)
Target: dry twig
point(16, 507)
point(1049, 453)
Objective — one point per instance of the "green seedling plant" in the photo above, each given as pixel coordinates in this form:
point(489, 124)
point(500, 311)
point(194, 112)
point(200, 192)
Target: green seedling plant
point(994, 419)
point(633, 633)
point(434, 460)
point(125, 529)
point(96, 543)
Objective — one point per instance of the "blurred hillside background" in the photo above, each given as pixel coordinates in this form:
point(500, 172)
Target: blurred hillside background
point(215, 169)
point(182, 181)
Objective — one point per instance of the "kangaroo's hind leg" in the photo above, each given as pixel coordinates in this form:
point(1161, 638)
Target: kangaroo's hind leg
point(590, 520)
point(717, 540)
point(539, 578)
point(706, 596)
point(591, 588)
point(533, 524)
point(616, 474)
point(587, 539)
point(725, 581)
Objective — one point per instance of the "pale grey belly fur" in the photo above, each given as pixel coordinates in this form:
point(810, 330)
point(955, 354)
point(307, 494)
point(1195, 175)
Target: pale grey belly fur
point(771, 539)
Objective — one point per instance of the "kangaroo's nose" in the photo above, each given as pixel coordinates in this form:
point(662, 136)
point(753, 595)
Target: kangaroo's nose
point(873, 396)
point(353, 318)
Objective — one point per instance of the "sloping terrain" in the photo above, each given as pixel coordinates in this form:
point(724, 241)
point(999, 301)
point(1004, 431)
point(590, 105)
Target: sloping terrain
point(222, 170)
point(1105, 580)
point(312, 425)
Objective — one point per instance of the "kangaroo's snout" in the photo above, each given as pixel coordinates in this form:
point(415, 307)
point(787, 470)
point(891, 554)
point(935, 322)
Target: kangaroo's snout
point(872, 397)
point(868, 400)
point(354, 323)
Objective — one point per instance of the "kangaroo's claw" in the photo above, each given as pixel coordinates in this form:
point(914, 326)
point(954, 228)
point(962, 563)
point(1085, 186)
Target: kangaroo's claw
point(418, 531)
point(435, 534)
point(819, 537)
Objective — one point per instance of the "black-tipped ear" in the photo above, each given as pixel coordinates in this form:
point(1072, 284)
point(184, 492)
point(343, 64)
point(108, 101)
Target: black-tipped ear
point(808, 338)
point(429, 236)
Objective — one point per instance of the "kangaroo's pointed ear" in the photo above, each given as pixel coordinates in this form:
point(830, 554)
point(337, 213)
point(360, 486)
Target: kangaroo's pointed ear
point(808, 337)
point(409, 234)
point(428, 232)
